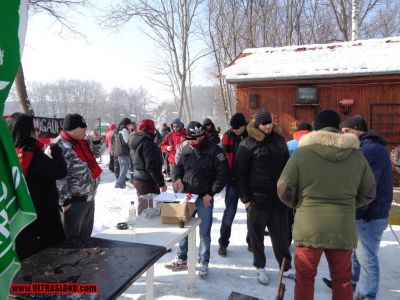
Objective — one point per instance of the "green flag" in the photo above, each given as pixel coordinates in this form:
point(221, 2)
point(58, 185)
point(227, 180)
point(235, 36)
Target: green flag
point(16, 207)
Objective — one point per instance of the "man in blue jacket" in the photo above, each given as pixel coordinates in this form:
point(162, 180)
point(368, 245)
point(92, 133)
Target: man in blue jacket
point(371, 219)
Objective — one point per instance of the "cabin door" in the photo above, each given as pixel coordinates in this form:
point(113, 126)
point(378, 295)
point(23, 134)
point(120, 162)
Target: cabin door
point(305, 113)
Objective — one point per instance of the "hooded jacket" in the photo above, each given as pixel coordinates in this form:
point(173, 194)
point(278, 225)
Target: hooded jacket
point(373, 147)
point(146, 158)
point(258, 164)
point(326, 179)
point(173, 139)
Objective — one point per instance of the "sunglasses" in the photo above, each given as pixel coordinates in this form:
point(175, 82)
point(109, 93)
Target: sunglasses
point(36, 129)
point(265, 123)
point(207, 124)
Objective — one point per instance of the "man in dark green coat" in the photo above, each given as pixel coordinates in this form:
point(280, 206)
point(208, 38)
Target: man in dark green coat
point(325, 180)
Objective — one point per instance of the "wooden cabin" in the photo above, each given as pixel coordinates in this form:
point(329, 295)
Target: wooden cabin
point(294, 83)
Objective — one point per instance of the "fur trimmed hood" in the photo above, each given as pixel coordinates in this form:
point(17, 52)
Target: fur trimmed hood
point(256, 133)
point(330, 144)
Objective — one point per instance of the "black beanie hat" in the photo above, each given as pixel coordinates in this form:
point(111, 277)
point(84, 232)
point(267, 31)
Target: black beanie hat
point(304, 126)
point(327, 118)
point(262, 116)
point(238, 120)
point(355, 122)
point(194, 130)
point(72, 121)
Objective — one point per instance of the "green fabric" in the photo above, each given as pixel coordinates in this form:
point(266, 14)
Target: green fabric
point(16, 207)
point(325, 184)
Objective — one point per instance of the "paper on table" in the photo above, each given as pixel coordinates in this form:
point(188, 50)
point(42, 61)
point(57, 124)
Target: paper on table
point(173, 197)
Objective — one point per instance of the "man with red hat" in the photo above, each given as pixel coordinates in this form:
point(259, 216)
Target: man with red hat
point(147, 162)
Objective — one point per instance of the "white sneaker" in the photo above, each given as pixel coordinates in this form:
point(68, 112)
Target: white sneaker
point(289, 274)
point(203, 272)
point(262, 276)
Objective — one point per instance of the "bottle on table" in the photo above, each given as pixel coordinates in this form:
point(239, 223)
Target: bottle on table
point(132, 216)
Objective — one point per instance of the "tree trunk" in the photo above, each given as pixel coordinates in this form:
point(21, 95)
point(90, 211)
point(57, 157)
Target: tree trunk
point(22, 94)
point(355, 18)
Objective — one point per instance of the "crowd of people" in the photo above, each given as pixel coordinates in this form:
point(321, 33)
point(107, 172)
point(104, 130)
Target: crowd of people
point(329, 189)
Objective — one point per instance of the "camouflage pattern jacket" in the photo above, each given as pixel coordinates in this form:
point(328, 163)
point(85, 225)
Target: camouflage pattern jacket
point(79, 181)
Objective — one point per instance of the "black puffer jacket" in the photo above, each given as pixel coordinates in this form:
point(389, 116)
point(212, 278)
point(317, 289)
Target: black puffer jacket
point(258, 163)
point(203, 170)
point(146, 157)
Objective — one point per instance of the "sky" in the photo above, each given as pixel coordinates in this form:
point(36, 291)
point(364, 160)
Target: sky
point(233, 272)
point(116, 59)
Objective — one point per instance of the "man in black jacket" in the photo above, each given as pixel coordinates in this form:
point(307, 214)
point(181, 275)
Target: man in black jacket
point(200, 169)
point(259, 162)
point(147, 162)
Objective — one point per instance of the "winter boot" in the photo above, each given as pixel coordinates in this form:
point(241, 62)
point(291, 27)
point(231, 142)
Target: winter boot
point(222, 251)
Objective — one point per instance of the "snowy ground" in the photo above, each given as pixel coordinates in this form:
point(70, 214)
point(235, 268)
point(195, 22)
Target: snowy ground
point(234, 272)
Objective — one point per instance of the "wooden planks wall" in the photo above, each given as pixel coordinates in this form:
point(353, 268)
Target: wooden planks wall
point(376, 92)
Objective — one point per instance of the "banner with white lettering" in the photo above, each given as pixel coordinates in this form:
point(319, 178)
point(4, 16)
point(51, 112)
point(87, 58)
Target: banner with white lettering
point(16, 207)
point(49, 127)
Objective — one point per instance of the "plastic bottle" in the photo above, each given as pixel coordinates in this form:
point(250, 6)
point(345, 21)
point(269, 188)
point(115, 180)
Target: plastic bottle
point(132, 216)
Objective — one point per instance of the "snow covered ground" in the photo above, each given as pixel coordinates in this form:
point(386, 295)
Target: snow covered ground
point(234, 272)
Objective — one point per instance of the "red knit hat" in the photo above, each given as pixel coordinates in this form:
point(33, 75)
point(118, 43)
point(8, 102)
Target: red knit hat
point(147, 125)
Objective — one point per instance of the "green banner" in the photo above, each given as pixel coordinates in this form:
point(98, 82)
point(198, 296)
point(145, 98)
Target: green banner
point(16, 207)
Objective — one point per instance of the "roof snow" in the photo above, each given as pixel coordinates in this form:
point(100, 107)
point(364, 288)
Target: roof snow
point(345, 59)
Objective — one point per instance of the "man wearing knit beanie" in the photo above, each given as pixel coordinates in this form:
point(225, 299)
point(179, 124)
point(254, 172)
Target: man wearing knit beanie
point(324, 180)
point(372, 219)
point(78, 188)
point(259, 161)
point(230, 142)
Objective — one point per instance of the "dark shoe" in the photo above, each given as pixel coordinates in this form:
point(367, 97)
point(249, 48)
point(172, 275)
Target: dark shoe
point(119, 187)
point(222, 251)
point(328, 282)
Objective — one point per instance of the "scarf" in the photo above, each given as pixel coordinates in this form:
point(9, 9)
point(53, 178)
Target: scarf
point(83, 151)
point(25, 154)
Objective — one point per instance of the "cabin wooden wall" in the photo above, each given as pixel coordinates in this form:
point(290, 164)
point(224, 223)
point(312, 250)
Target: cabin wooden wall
point(377, 99)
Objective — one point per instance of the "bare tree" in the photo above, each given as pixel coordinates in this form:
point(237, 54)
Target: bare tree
point(170, 24)
point(56, 9)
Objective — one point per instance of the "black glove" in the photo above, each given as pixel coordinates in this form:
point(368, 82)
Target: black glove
point(55, 150)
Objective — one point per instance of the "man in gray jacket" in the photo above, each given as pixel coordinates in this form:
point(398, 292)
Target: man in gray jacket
point(78, 188)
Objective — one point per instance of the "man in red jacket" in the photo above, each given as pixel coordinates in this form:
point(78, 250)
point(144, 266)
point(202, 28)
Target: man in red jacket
point(172, 140)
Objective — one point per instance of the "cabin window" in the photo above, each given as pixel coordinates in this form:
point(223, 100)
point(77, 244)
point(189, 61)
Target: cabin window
point(307, 95)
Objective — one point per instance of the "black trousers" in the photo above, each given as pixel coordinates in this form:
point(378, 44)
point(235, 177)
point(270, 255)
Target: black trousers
point(276, 219)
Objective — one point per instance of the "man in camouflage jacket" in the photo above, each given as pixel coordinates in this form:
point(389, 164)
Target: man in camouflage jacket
point(78, 188)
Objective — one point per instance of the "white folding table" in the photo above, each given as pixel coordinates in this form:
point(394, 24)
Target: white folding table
point(151, 231)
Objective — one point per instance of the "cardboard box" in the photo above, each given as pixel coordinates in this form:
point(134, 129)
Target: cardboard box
point(172, 212)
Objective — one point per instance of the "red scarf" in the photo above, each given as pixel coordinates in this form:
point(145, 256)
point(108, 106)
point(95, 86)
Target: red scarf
point(82, 149)
point(26, 153)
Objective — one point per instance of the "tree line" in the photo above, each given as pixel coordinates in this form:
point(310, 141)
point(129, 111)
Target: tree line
point(226, 27)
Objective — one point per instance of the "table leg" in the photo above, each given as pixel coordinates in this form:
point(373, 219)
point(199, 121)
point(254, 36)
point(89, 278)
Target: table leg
point(150, 283)
point(191, 259)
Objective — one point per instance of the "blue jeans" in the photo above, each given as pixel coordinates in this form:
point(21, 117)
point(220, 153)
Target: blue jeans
point(365, 257)
point(231, 203)
point(124, 162)
point(205, 215)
